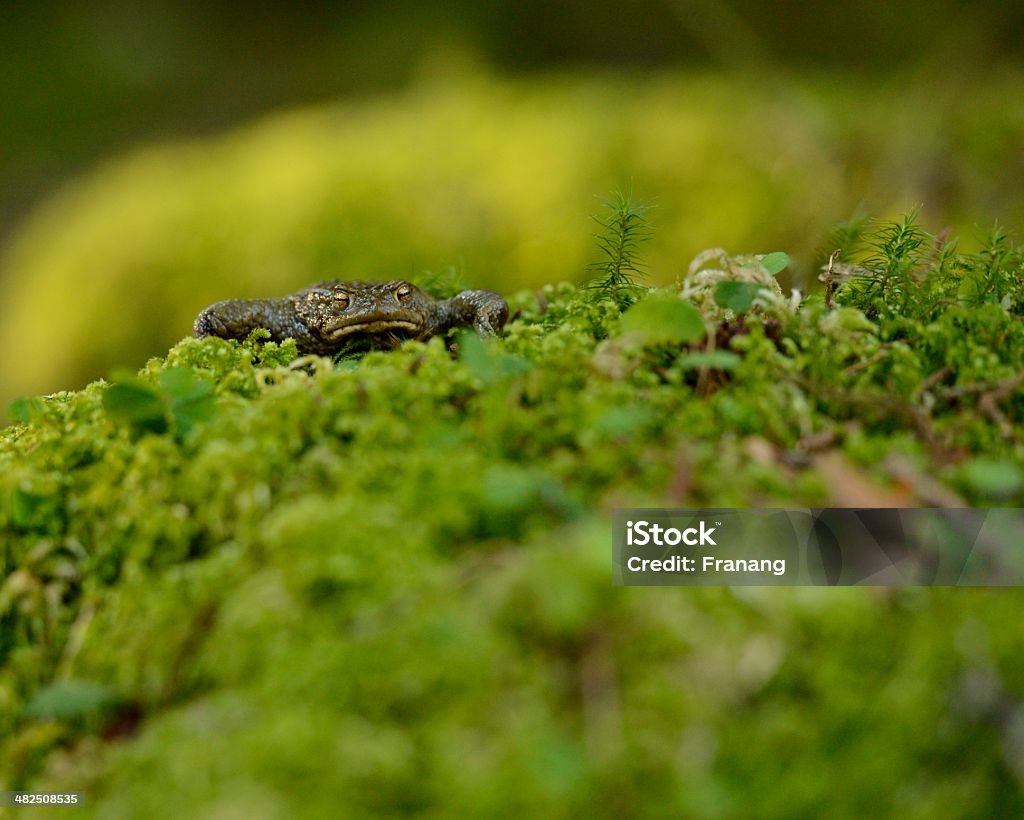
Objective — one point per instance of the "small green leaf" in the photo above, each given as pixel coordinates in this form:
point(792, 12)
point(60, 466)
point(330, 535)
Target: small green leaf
point(191, 399)
point(664, 317)
point(992, 478)
point(736, 296)
point(486, 361)
point(508, 488)
point(775, 262)
point(717, 359)
point(188, 411)
point(23, 508)
point(134, 403)
point(630, 418)
point(71, 700)
point(177, 381)
point(23, 409)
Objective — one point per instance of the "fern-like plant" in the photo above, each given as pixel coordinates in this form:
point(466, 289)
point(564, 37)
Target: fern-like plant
point(624, 227)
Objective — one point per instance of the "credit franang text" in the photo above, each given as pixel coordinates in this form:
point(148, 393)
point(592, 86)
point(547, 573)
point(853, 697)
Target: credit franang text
point(708, 563)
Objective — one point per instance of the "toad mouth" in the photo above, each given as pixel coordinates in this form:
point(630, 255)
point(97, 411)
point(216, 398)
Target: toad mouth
point(373, 326)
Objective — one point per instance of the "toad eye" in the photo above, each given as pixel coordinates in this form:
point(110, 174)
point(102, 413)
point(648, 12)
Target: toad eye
point(403, 291)
point(341, 300)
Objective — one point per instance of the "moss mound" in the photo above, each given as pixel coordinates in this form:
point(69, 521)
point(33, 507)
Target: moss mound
point(247, 582)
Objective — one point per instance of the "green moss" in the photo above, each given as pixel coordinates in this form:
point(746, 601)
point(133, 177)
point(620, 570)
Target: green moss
point(245, 578)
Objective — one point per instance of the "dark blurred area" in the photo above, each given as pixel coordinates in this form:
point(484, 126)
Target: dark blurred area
point(81, 81)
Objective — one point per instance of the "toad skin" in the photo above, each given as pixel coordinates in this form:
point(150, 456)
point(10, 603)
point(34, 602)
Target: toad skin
point(340, 317)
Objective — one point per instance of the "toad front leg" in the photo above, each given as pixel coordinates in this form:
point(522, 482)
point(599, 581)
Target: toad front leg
point(484, 310)
point(237, 318)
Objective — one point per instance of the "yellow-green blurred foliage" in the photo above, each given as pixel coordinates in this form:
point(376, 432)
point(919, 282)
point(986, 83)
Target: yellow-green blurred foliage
point(494, 178)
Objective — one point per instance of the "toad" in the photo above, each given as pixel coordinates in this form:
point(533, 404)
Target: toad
point(341, 317)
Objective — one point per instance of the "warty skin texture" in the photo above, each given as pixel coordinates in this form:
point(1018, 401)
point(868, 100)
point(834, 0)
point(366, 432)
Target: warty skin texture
point(335, 316)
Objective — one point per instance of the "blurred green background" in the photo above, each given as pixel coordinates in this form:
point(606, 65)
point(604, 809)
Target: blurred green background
point(157, 157)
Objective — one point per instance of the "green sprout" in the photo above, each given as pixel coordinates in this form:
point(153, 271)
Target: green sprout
point(624, 227)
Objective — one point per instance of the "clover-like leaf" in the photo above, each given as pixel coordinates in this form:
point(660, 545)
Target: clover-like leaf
point(775, 262)
point(664, 317)
point(132, 402)
point(736, 296)
point(191, 399)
